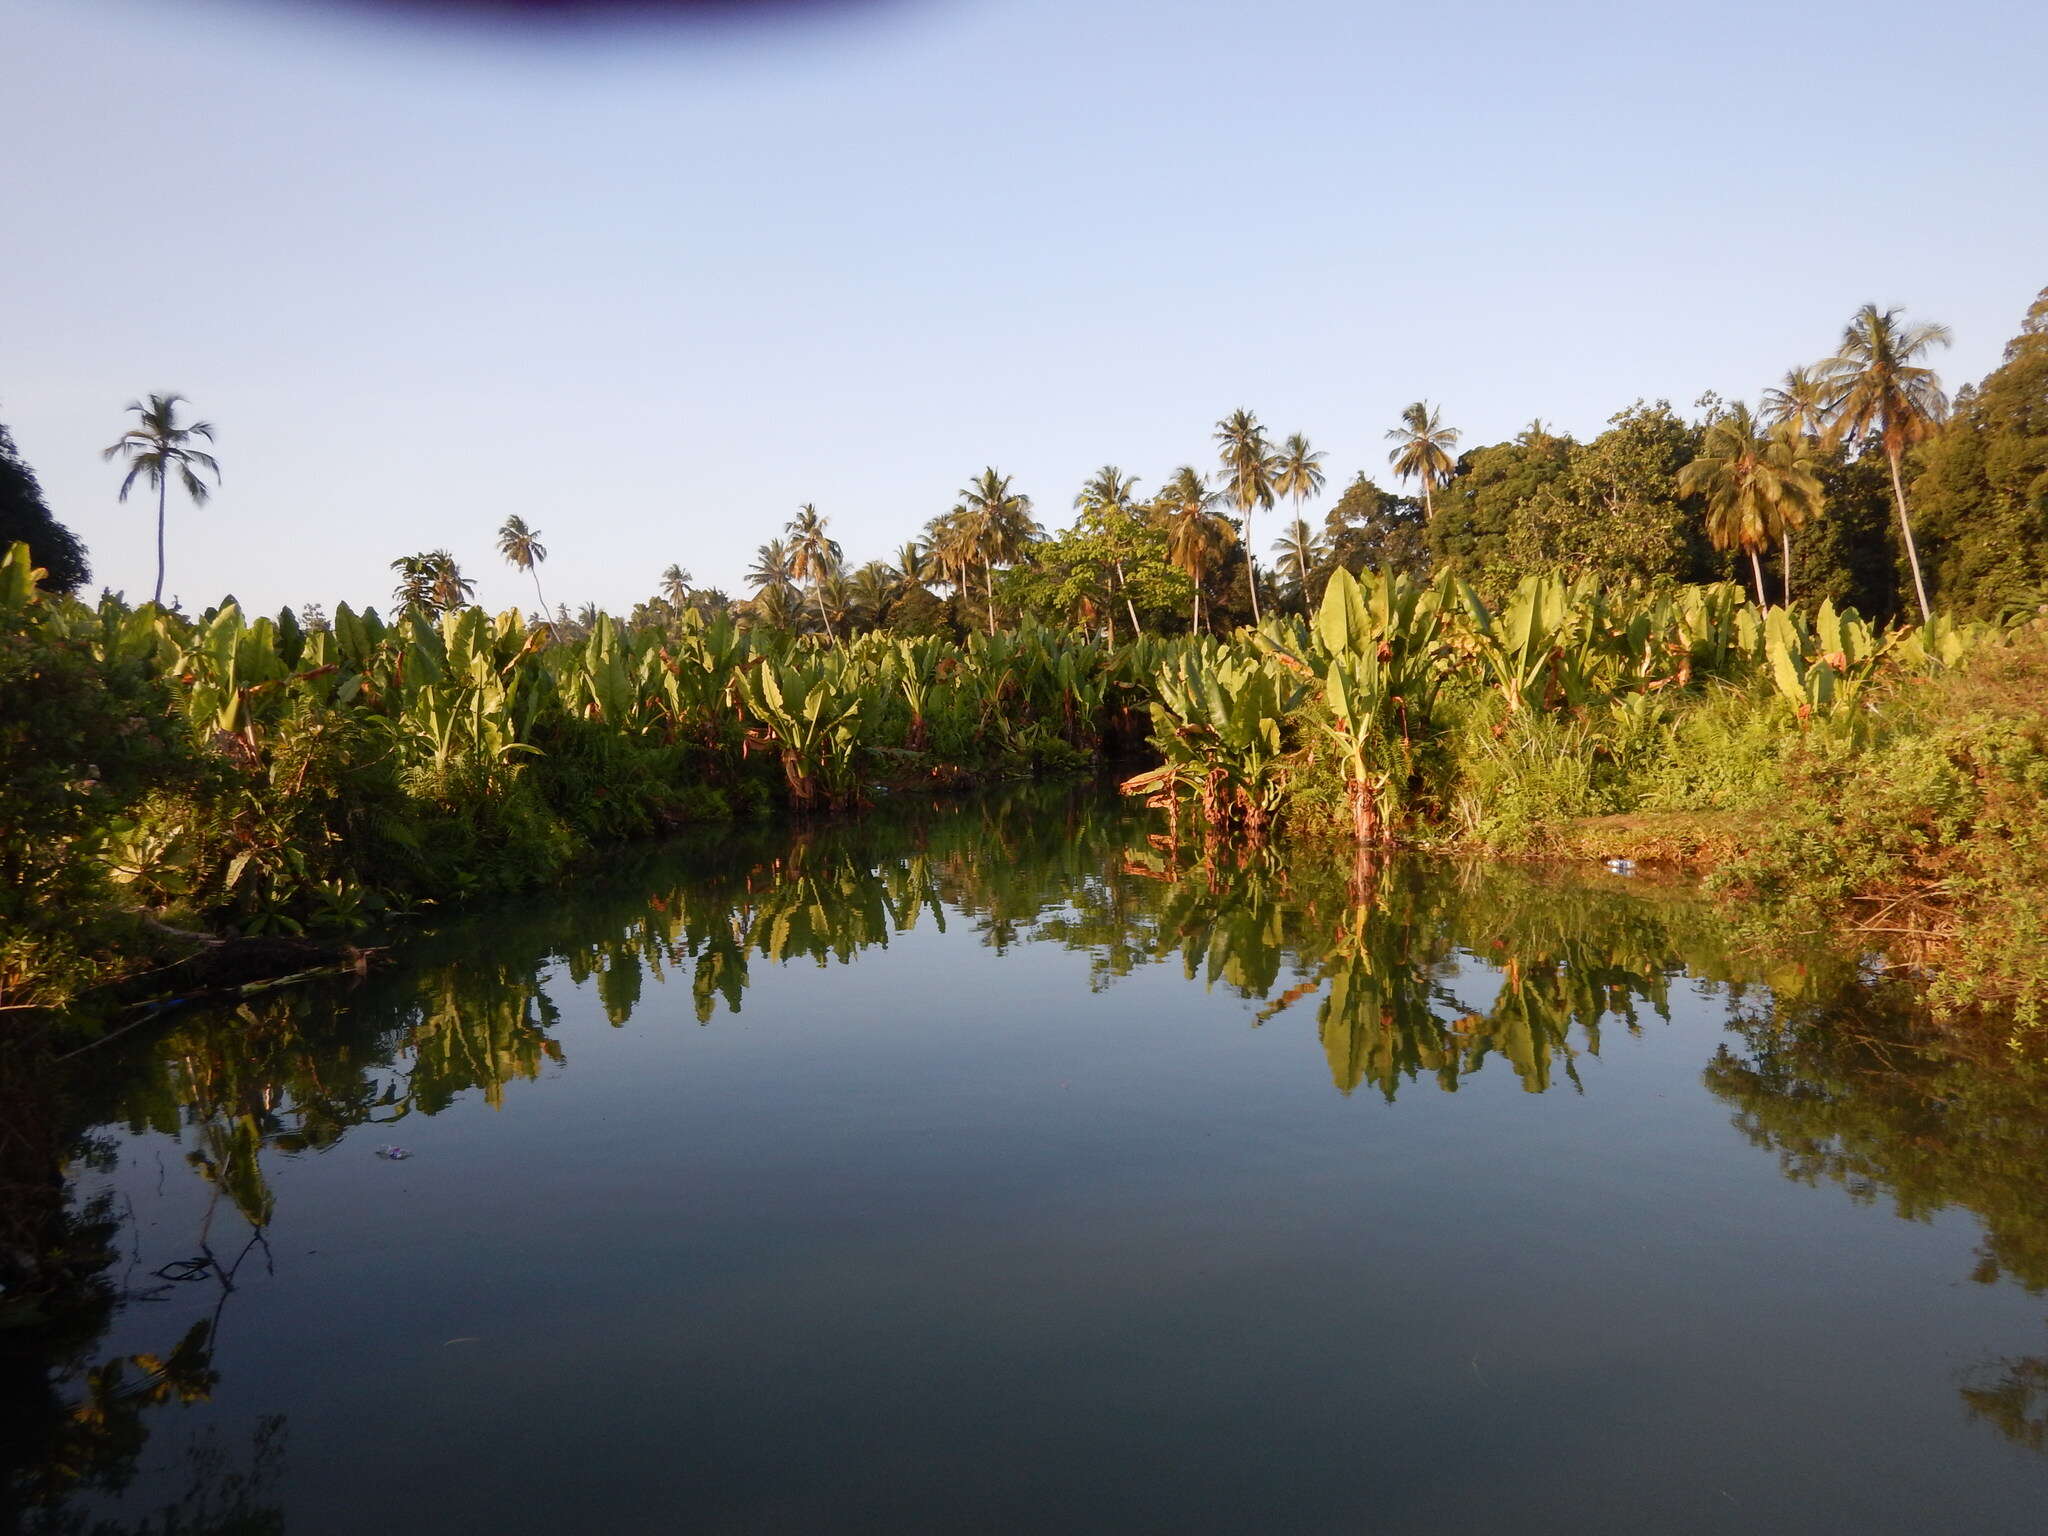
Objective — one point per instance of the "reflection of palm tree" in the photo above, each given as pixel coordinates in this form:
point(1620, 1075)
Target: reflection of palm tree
point(158, 448)
point(1879, 389)
point(1423, 450)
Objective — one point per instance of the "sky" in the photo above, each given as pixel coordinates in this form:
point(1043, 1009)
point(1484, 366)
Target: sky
point(653, 286)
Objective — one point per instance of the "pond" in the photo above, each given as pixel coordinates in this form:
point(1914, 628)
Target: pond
point(985, 1167)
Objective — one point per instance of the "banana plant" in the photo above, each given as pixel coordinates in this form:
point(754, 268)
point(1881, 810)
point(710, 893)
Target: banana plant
point(809, 712)
point(1373, 660)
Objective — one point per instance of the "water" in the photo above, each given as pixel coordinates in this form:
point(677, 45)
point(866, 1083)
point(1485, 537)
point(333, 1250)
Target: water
point(978, 1169)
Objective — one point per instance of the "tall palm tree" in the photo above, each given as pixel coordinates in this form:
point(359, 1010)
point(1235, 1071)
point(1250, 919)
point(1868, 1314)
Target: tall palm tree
point(1109, 495)
point(675, 587)
point(1249, 469)
point(1196, 539)
point(997, 525)
point(1299, 552)
point(771, 569)
point(1301, 473)
point(1878, 388)
point(1756, 483)
point(157, 448)
point(523, 550)
point(814, 555)
point(1799, 402)
point(1422, 450)
point(949, 542)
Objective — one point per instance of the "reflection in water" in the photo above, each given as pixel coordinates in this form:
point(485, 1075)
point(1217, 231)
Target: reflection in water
point(1417, 977)
point(1855, 1091)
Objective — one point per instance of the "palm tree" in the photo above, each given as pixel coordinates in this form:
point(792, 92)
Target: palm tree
point(675, 587)
point(432, 580)
point(949, 543)
point(1249, 468)
point(1301, 474)
point(871, 589)
point(157, 448)
point(813, 556)
point(1756, 484)
point(1799, 403)
point(1110, 494)
point(776, 606)
point(1196, 539)
point(771, 568)
point(914, 566)
point(1423, 450)
point(1298, 552)
point(996, 525)
point(1877, 387)
point(522, 548)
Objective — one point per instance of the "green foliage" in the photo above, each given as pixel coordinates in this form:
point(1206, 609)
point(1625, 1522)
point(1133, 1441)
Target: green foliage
point(85, 732)
point(26, 519)
point(1981, 488)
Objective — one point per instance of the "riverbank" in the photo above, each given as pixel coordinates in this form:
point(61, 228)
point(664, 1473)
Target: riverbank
point(1921, 837)
point(245, 778)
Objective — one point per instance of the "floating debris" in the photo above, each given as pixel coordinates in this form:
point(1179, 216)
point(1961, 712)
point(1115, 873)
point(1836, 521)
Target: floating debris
point(1622, 866)
point(393, 1154)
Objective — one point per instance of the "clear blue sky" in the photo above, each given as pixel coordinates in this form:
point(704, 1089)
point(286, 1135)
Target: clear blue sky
point(651, 288)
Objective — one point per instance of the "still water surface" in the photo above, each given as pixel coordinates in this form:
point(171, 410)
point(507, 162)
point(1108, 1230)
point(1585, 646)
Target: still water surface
point(980, 1169)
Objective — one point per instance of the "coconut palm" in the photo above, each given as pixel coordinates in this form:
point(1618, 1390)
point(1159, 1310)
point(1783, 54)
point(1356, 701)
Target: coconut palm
point(1756, 484)
point(914, 567)
point(523, 551)
point(1877, 388)
point(1108, 495)
point(1298, 553)
point(949, 544)
point(1800, 403)
point(771, 568)
point(996, 523)
point(675, 587)
point(1249, 469)
point(775, 605)
point(814, 555)
point(158, 448)
point(1301, 474)
point(1197, 540)
point(1422, 450)
point(871, 589)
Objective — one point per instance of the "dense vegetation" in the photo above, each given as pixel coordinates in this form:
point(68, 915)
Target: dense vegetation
point(1397, 675)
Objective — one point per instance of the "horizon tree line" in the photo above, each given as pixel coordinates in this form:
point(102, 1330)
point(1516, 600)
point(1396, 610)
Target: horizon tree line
point(1756, 478)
